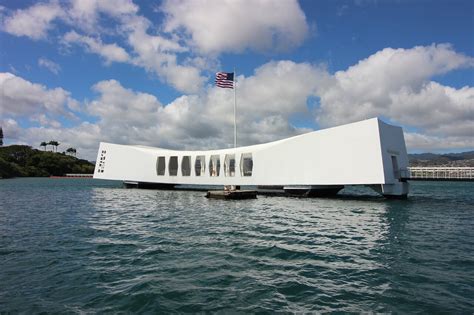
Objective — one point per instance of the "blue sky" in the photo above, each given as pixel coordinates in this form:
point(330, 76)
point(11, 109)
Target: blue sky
point(142, 72)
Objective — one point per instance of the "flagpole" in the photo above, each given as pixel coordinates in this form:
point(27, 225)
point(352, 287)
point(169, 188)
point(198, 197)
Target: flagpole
point(235, 106)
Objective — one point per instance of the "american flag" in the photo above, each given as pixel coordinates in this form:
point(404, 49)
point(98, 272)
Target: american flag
point(225, 80)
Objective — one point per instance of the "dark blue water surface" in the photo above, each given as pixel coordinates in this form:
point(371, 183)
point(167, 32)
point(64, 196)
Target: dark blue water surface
point(86, 246)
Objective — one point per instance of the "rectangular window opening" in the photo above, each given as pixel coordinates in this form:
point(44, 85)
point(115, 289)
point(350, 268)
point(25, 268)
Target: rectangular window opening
point(186, 166)
point(160, 166)
point(200, 165)
point(229, 165)
point(246, 164)
point(214, 166)
point(173, 166)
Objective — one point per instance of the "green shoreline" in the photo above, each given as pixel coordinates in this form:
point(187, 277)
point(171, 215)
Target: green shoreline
point(24, 161)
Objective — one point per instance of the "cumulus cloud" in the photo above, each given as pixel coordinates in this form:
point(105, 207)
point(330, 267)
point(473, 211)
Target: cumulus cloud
point(442, 116)
point(159, 55)
point(117, 105)
point(20, 97)
point(86, 13)
point(381, 85)
point(266, 102)
point(396, 84)
point(436, 108)
point(83, 137)
point(50, 65)
point(279, 90)
point(426, 142)
point(232, 26)
point(284, 27)
point(33, 22)
point(281, 87)
point(46, 121)
point(110, 52)
point(190, 121)
point(11, 130)
point(177, 51)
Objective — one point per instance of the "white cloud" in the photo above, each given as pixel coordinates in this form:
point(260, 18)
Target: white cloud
point(44, 120)
point(117, 105)
point(33, 22)
point(110, 52)
point(124, 116)
point(206, 121)
point(395, 83)
point(374, 86)
point(158, 54)
point(281, 87)
point(82, 137)
point(214, 26)
point(11, 130)
point(436, 108)
point(154, 52)
point(190, 121)
point(50, 65)
point(20, 97)
point(437, 143)
point(127, 116)
point(85, 14)
point(266, 103)
point(380, 85)
point(162, 49)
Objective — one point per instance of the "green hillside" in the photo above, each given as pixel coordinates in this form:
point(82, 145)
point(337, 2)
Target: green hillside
point(24, 161)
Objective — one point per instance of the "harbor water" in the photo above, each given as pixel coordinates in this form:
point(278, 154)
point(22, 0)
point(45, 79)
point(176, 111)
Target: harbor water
point(87, 246)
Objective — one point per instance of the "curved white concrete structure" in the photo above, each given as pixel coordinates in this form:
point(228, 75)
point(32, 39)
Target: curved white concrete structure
point(368, 152)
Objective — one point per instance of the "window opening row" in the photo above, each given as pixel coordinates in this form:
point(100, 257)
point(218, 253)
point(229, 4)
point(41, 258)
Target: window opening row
point(246, 165)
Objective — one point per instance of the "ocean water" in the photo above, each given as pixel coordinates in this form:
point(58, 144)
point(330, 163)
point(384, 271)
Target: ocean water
point(87, 246)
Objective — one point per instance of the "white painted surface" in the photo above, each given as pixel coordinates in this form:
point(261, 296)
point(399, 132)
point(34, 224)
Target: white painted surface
point(353, 154)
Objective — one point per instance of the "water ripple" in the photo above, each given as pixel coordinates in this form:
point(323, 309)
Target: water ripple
point(91, 246)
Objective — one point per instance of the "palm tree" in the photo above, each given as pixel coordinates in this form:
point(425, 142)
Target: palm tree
point(44, 144)
point(71, 151)
point(55, 144)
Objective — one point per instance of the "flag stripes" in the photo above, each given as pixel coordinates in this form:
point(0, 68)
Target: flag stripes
point(225, 80)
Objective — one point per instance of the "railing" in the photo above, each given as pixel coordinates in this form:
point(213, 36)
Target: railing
point(439, 173)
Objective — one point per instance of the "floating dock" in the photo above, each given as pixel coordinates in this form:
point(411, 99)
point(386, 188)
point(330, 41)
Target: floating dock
point(232, 194)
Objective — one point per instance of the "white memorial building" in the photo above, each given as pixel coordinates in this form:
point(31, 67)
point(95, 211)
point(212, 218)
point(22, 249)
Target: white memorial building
point(369, 152)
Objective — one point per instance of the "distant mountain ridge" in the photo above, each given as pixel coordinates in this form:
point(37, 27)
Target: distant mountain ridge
point(463, 159)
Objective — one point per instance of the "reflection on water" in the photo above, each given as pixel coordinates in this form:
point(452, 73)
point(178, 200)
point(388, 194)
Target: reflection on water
point(96, 247)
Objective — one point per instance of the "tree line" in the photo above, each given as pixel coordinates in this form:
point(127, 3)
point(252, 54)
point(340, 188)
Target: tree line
point(22, 160)
point(55, 144)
